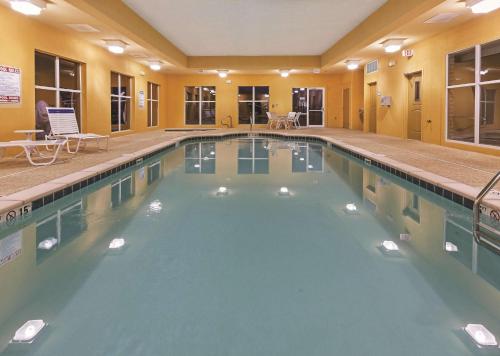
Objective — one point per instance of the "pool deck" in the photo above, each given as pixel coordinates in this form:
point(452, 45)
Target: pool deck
point(459, 171)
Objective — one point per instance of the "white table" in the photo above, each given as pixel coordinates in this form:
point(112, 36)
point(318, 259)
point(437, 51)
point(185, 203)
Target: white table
point(29, 133)
point(29, 137)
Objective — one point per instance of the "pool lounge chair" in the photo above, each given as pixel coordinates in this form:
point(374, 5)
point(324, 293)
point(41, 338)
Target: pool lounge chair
point(63, 125)
point(31, 148)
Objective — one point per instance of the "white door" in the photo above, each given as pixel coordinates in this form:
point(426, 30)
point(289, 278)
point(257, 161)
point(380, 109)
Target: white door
point(309, 102)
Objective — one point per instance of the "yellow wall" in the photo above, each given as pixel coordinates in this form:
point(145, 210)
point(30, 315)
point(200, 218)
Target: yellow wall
point(430, 58)
point(17, 48)
point(280, 92)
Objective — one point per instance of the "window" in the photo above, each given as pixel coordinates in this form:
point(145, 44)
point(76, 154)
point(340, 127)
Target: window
point(253, 156)
point(199, 105)
point(57, 84)
point(121, 191)
point(412, 208)
point(473, 101)
point(154, 172)
point(253, 102)
point(153, 102)
point(199, 158)
point(64, 226)
point(121, 98)
point(307, 157)
point(417, 91)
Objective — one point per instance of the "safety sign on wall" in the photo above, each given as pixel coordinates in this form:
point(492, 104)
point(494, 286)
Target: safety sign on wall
point(10, 85)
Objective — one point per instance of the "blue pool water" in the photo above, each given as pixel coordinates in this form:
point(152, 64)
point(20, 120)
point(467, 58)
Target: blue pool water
point(250, 272)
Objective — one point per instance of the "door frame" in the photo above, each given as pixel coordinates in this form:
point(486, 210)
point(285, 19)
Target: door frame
point(307, 105)
point(322, 106)
point(348, 109)
point(407, 77)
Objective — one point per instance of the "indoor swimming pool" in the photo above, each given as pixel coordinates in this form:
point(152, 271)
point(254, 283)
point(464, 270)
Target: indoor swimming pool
point(247, 246)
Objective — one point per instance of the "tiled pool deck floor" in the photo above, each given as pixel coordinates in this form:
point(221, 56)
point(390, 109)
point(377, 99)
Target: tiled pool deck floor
point(457, 170)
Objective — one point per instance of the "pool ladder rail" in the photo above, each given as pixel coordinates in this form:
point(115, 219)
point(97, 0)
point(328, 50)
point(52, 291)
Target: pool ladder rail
point(484, 234)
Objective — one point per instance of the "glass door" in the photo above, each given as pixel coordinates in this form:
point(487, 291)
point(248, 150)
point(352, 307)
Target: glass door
point(309, 102)
point(315, 115)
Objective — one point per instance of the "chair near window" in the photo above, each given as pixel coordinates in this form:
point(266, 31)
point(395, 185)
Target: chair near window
point(272, 119)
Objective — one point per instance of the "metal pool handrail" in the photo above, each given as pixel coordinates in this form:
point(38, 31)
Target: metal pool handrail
point(483, 239)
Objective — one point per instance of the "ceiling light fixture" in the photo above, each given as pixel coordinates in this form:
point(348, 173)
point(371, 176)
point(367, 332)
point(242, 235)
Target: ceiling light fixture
point(28, 7)
point(352, 64)
point(115, 46)
point(155, 65)
point(284, 73)
point(483, 6)
point(222, 73)
point(393, 45)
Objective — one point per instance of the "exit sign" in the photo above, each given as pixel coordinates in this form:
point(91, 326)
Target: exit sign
point(407, 53)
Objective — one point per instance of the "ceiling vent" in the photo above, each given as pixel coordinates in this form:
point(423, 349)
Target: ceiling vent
point(442, 18)
point(81, 27)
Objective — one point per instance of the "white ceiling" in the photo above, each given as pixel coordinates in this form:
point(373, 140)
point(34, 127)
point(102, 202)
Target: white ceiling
point(254, 27)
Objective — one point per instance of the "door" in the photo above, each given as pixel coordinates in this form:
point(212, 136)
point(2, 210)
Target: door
point(346, 107)
point(309, 102)
point(414, 125)
point(372, 109)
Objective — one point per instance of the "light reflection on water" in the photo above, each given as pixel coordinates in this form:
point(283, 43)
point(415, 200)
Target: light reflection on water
point(248, 272)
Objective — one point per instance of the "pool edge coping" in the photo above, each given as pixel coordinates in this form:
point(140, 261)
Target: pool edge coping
point(48, 192)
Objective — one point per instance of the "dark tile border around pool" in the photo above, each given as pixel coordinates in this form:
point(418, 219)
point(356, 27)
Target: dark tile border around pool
point(52, 197)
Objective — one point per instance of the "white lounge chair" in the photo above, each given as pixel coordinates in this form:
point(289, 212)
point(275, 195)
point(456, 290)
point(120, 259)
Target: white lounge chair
point(31, 147)
point(63, 125)
point(271, 119)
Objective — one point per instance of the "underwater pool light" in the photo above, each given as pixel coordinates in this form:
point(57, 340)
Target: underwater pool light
point(222, 191)
point(450, 247)
point(28, 331)
point(481, 335)
point(351, 207)
point(389, 245)
point(284, 191)
point(155, 206)
point(47, 244)
point(116, 243)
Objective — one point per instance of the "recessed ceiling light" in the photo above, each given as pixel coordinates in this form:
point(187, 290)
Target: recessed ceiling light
point(483, 6)
point(393, 45)
point(284, 73)
point(28, 7)
point(352, 64)
point(155, 65)
point(222, 73)
point(115, 46)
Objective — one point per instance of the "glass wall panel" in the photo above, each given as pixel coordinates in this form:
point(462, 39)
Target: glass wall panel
point(45, 70)
point(69, 74)
point(461, 67)
point(490, 61)
point(489, 116)
point(461, 114)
